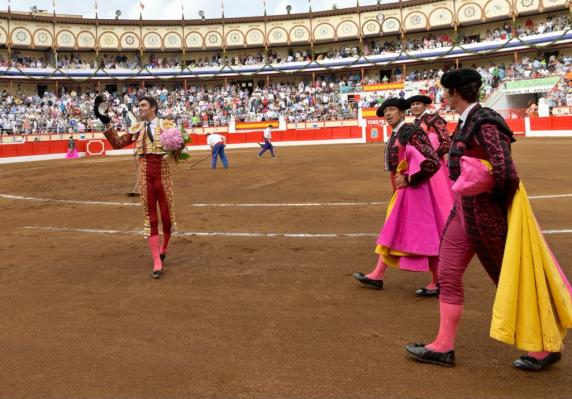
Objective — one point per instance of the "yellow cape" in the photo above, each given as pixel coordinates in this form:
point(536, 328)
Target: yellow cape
point(533, 307)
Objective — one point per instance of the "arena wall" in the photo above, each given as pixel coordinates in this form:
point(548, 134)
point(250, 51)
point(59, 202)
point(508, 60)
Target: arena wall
point(25, 148)
point(372, 130)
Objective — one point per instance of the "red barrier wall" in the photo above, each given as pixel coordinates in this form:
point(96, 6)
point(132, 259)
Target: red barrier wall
point(374, 128)
point(60, 146)
point(551, 123)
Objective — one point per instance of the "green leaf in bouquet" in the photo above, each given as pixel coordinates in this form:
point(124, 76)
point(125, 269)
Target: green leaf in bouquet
point(187, 138)
point(185, 156)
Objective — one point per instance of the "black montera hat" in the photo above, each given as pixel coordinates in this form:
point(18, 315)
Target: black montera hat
point(420, 99)
point(460, 77)
point(393, 102)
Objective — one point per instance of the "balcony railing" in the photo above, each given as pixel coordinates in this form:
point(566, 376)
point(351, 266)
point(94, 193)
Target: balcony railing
point(481, 49)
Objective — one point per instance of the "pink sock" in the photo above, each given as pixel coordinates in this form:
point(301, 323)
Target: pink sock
point(434, 281)
point(155, 245)
point(166, 239)
point(450, 315)
point(538, 355)
point(379, 271)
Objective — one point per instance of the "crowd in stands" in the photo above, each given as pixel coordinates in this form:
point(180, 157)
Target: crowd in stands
point(193, 107)
point(324, 99)
point(553, 23)
point(494, 75)
point(203, 106)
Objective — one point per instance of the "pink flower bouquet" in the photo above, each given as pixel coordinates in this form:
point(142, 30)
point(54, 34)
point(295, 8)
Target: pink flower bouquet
point(174, 140)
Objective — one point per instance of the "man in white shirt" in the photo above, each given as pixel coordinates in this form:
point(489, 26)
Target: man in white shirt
point(267, 142)
point(217, 143)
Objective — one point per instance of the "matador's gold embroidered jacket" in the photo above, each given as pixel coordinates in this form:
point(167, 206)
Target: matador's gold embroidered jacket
point(138, 136)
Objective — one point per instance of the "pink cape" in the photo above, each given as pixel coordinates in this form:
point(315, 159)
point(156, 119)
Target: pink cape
point(416, 220)
point(434, 139)
point(72, 154)
point(441, 185)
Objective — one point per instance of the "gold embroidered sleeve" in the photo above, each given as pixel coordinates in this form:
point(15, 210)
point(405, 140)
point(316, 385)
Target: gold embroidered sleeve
point(118, 141)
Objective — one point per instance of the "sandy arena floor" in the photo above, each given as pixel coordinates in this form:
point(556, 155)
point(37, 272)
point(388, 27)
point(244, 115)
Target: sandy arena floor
point(245, 316)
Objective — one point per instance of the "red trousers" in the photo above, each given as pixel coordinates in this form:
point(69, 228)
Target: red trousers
point(156, 188)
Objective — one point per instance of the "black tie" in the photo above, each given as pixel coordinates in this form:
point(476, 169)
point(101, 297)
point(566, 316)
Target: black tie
point(416, 121)
point(149, 133)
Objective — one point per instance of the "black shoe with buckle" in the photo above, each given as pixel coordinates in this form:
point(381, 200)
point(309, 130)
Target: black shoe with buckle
point(420, 353)
point(529, 363)
point(362, 278)
point(427, 292)
point(156, 274)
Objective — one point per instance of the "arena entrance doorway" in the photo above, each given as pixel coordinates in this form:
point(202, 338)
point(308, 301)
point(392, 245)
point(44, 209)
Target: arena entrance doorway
point(41, 90)
point(385, 75)
point(245, 85)
point(111, 88)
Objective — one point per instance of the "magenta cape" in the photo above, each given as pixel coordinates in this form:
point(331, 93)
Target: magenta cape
point(72, 154)
point(434, 139)
point(416, 218)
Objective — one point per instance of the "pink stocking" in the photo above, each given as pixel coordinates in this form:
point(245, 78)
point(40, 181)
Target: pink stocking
point(433, 263)
point(379, 271)
point(155, 245)
point(450, 315)
point(166, 239)
point(538, 355)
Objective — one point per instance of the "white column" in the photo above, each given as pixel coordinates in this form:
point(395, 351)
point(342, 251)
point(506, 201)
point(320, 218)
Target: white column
point(282, 123)
point(232, 125)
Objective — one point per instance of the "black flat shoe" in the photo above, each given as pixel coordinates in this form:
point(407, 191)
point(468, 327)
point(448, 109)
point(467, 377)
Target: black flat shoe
point(427, 292)
point(420, 353)
point(156, 274)
point(362, 278)
point(163, 256)
point(528, 363)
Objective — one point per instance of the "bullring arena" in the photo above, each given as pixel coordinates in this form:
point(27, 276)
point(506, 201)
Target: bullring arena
point(257, 299)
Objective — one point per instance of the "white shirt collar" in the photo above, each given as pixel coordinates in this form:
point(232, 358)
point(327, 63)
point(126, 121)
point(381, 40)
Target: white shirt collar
point(153, 123)
point(399, 126)
point(465, 113)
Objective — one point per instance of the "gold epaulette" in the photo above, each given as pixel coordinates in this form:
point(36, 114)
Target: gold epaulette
point(136, 128)
point(167, 124)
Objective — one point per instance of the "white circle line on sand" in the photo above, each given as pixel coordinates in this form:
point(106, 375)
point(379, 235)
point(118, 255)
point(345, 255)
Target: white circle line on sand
point(562, 231)
point(550, 196)
point(199, 205)
point(233, 234)
point(292, 204)
point(238, 205)
point(62, 201)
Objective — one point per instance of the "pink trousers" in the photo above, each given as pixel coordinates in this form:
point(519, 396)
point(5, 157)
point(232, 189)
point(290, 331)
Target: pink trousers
point(455, 253)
